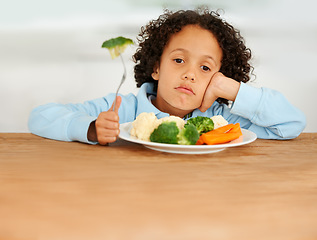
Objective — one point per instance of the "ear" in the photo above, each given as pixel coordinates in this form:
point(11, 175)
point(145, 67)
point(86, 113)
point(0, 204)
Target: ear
point(156, 73)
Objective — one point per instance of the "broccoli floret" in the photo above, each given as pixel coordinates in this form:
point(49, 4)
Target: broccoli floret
point(188, 135)
point(116, 46)
point(202, 124)
point(166, 132)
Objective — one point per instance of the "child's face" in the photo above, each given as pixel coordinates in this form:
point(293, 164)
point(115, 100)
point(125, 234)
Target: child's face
point(189, 60)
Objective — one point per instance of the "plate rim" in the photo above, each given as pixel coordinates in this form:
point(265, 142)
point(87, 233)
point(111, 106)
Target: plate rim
point(195, 148)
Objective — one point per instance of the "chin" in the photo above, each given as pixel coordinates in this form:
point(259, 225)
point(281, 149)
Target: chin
point(187, 108)
point(183, 104)
point(187, 104)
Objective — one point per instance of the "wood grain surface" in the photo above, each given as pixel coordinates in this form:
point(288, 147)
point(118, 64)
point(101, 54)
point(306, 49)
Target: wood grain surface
point(68, 190)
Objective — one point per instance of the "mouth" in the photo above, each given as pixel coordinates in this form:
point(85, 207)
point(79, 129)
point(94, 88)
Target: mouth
point(185, 89)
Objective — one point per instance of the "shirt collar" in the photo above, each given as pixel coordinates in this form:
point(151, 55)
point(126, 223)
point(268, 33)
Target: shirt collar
point(144, 104)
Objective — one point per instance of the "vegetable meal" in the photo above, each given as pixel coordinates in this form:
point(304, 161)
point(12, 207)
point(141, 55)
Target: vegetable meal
point(174, 130)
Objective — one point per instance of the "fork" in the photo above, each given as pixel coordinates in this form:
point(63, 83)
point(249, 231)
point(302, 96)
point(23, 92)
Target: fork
point(122, 81)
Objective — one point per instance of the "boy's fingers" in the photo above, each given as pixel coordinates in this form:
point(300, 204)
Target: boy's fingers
point(106, 140)
point(112, 106)
point(108, 122)
point(208, 100)
point(107, 135)
point(118, 103)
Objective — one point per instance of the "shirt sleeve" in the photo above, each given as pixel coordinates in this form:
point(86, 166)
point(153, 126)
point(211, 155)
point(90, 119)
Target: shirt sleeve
point(67, 122)
point(70, 122)
point(266, 112)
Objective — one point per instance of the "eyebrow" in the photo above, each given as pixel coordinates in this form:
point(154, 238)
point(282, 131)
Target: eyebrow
point(184, 50)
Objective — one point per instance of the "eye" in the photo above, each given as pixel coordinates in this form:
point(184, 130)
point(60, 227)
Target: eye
point(205, 68)
point(178, 60)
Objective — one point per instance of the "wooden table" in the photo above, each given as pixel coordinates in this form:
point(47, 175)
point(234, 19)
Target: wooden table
point(56, 190)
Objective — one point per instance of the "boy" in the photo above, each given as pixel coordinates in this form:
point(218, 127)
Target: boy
point(189, 63)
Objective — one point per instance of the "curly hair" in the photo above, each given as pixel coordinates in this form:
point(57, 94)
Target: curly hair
point(156, 34)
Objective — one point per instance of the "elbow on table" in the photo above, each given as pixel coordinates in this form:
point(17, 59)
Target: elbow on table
point(296, 128)
point(40, 125)
point(34, 122)
point(49, 121)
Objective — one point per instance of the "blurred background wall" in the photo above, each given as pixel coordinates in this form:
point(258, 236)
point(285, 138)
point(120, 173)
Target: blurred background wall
point(50, 51)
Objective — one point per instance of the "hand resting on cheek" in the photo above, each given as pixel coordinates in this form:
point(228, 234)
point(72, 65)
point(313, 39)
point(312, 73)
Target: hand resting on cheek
point(219, 86)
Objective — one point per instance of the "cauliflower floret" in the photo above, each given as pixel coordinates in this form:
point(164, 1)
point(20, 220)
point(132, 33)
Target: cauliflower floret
point(179, 121)
point(144, 125)
point(219, 121)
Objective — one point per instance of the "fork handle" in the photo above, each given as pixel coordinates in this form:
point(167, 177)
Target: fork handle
point(122, 80)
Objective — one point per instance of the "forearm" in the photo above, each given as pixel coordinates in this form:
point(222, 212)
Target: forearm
point(269, 113)
point(57, 121)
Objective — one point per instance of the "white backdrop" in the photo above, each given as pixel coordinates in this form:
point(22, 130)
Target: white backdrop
point(50, 51)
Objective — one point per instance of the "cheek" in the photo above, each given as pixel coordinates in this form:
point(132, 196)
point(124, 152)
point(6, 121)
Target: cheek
point(202, 87)
point(199, 99)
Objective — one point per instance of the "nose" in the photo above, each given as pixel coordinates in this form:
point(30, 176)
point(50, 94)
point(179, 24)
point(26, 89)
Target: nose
point(189, 75)
point(192, 79)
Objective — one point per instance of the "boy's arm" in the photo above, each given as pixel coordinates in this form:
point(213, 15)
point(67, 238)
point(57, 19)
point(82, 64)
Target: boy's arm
point(264, 111)
point(69, 122)
point(267, 113)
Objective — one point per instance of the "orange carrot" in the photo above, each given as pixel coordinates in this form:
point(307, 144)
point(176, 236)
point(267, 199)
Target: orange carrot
point(221, 135)
point(199, 141)
point(221, 138)
point(223, 129)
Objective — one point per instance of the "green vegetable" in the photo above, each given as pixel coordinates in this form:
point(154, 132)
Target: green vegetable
point(202, 124)
point(188, 135)
point(116, 46)
point(168, 132)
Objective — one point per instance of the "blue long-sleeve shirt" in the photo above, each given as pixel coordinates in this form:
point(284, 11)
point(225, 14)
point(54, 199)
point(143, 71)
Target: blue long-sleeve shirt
point(264, 111)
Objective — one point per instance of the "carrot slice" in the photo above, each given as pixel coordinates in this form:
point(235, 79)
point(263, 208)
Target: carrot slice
point(236, 128)
point(223, 129)
point(211, 134)
point(221, 135)
point(199, 141)
point(221, 138)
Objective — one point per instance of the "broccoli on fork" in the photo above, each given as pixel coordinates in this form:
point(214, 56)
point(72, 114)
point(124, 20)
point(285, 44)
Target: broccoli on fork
point(116, 46)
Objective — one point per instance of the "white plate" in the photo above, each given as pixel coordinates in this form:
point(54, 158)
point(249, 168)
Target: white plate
point(247, 137)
